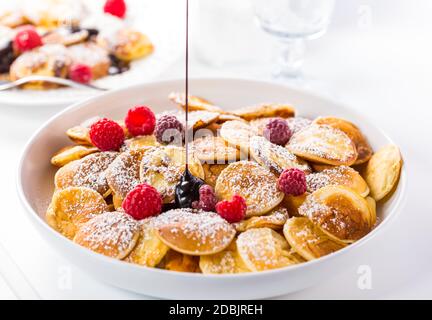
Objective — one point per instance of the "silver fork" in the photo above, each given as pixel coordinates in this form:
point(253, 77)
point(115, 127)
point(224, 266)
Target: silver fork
point(7, 85)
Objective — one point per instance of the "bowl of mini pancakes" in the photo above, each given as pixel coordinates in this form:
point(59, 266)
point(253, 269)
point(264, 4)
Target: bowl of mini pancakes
point(354, 175)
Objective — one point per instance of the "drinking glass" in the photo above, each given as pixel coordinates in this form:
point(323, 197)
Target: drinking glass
point(293, 22)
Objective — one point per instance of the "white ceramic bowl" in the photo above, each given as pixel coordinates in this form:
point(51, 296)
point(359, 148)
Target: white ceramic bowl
point(35, 186)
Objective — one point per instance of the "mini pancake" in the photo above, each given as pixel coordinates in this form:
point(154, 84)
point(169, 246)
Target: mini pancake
point(176, 261)
point(126, 44)
point(383, 171)
point(224, 262)
point(140, 142)
point(162, 168)
point(323, 144)
point(123, 174)
point(274, 157)
point(65, 36)
point(71, 207)
point(113, 234)
point(237, 133)
point(194, 232)
point(273, 220)
point(89, 172)
point(340, 212)
point(308, 240)
point(93, 56)
point(264, 249)
point(149, 250)
point(49, 60)
point(201, 119)
point(12, 18)
point(81, 134)
point(51, 14)
point(212, 149)
point(212, 172)
point(195, 103)
point(339, 175)
point(293, 203)
point(265, 111)
point(298, 123)
point(363, 147)
point(71, 153)
point(256, 184)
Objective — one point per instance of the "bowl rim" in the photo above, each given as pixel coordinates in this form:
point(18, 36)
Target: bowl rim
point(37, 220)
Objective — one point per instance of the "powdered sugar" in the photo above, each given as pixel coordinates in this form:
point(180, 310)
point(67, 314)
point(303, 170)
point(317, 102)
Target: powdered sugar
point(110, 233)
point(91, 173)
point(312, 206)
point(298, 123)
point(274, 157)
point(262, 249)
point(123, 174)
point(201, 228)
point(274, 220)
point(213, 150)
point(336, 175)
point(324, 142)
point(256, 184)
point(158, 166)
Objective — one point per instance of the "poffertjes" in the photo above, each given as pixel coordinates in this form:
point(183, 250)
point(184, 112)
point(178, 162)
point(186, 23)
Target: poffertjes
point(246, 203)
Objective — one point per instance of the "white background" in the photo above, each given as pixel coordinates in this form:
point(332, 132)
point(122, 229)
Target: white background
point(376, 57)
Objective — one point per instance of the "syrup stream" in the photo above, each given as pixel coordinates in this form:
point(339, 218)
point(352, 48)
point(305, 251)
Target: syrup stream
point(187, 88)
point(187, 191)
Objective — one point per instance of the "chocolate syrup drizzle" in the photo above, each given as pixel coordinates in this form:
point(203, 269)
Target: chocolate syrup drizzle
point(187, 191)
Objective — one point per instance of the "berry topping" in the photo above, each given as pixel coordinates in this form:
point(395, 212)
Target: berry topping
point(169, 129)
point(26, 39)
point(80, 73)
point(232, 211)
point(207, 198)
point(107, 135)
point(277, 131)
point(115, 7)
point(142, 202)
point(140, 120)
point(292, 182)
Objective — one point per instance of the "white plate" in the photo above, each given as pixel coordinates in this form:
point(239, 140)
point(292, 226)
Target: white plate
point(35, 186)
point(147, 16)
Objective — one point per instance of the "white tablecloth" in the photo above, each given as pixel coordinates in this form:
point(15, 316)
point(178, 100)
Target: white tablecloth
point(383, 69)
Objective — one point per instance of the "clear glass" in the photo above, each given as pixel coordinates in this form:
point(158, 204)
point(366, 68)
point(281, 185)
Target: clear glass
point(292, 22)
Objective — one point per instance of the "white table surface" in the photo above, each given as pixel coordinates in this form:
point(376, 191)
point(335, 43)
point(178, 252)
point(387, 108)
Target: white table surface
point(384, 70)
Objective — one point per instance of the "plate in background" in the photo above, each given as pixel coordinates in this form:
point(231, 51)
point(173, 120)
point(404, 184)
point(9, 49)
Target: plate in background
point(150, 17)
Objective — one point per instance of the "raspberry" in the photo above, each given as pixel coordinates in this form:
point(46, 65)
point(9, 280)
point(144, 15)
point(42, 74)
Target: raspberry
point(115, 7)
point(142, 202)
point(140, 120)
point(292, 181)
point(80, 73)
point(277, 131)
point(107, 135)
point(207, 198)
point(232, 211)
point(169, 129)
point(26, 39)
